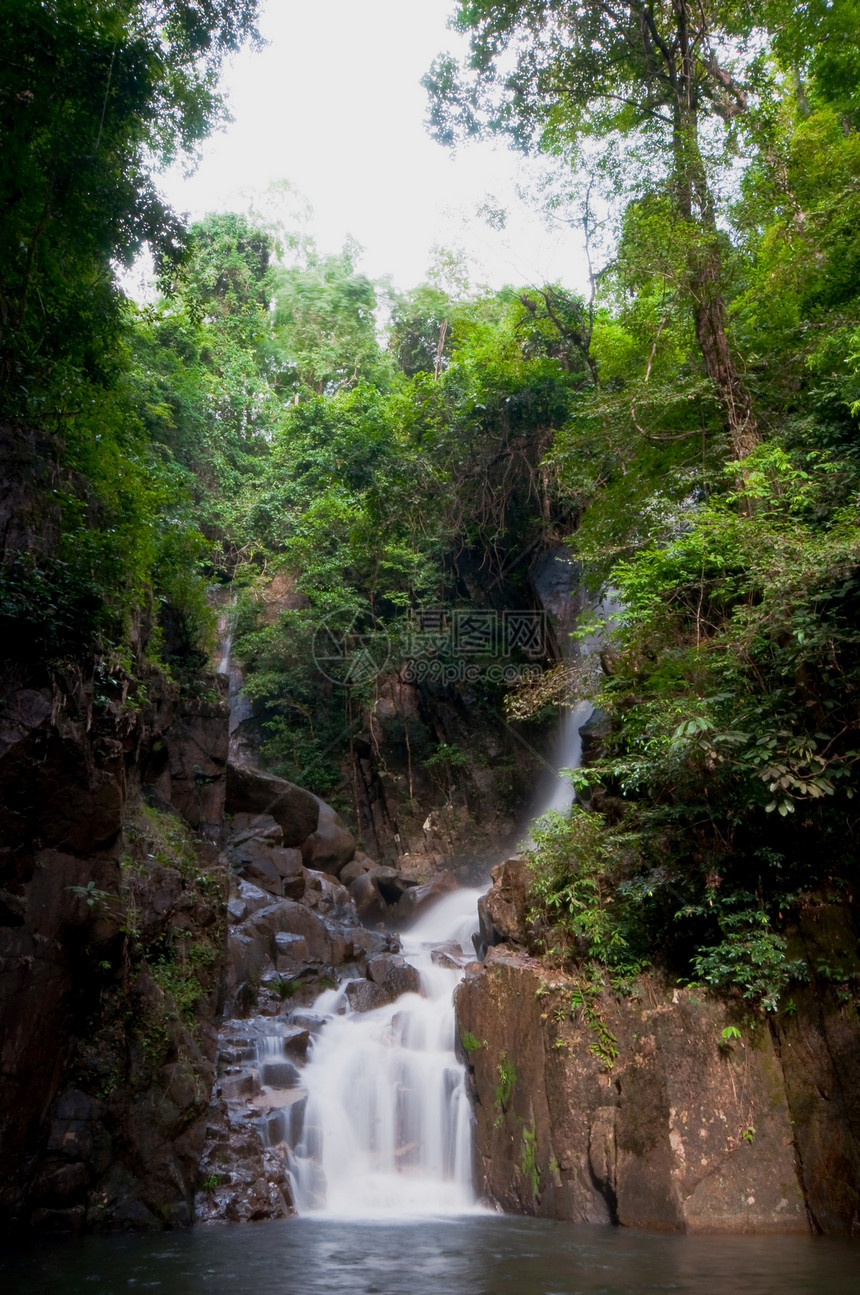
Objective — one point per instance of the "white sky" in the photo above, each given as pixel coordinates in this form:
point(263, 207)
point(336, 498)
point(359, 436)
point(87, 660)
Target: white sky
point(335, 106)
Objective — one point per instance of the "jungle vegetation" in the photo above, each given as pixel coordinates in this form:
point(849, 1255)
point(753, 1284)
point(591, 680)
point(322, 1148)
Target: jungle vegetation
point(690, 426)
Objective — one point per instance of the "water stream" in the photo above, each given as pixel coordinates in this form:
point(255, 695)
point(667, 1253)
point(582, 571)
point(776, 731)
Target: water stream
point(385, 1131)
point(387, 1126)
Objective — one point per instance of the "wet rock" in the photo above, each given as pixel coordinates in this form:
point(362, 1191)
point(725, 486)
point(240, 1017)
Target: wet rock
point(502, 911)
point(394, 974)
point(366, 896)
point(254, 861)
point(250, 791)
point(279, 1074)
point(449, 961)
point(325, 895)
point(240, 1180)
point(233, 1086)
point(262, 826)
point(391, 884)
point(365, 996)
point(356, 867)
point(292, 956)
point(252, 896)
point(237, 910)
point(332, 845)
point(418, 899)
point(294, 919)
point(313, 1022)
point(649, 1122)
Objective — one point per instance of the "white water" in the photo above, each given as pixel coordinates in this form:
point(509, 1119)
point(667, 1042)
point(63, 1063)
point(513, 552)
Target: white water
point(559, 796)
point(387, 1129)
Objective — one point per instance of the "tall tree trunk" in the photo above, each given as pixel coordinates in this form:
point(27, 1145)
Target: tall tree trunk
point(709, 312)
point(696, 204)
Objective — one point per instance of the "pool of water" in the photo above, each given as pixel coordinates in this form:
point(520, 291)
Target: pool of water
point(477, 1255)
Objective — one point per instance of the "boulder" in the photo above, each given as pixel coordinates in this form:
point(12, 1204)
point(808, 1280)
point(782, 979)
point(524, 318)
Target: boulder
point(357, 867)
point(291, 918)
point(418, 899)
point(326, 895)
point(275, 868)
point(292, 955)
point(366, 896)
point(262, 826)
point(394, 974)
point(450, 961)
point(237, 910)
point(502, 912)
point(332, 845)
point(249, 791)
point(392, 885)
point(365, 996)
point(252, 896)
point(253, 860)
point(279, 1074)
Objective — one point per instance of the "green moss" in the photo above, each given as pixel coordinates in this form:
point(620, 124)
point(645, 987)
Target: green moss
point(528, 1157)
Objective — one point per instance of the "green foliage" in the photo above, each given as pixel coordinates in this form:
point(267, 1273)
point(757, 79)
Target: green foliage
point(471, 1043)
point(528, 1157)
point(325, 330)
point(507, 1077)
point(94, 97)
point(585, 999)
point(576, 867)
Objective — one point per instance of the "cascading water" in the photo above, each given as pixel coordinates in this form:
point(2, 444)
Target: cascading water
point(386, 1129)
point(378, 1123)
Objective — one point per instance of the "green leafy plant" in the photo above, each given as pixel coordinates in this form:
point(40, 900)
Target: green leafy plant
point(507, 1078)
point(528, 1157)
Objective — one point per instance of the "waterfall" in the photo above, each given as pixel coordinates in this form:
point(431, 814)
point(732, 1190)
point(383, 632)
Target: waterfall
point(386, 1126)
point(558, 794)
point(378, 1124)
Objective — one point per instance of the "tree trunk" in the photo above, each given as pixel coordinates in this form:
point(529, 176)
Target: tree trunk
point(709, 312)
point(696, 204)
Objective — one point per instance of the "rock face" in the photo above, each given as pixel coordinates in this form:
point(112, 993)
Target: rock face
point(103, 1080)
point(669, 1109)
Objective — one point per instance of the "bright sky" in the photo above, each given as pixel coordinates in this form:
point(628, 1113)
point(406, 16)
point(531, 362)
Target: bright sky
point(335, 106)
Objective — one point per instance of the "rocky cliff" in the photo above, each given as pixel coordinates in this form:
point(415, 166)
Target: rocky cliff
point(112, 934)
point(662, 1108)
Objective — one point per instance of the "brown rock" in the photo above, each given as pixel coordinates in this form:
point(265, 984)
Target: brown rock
point(249, 791)
point(365, 996)
point(394, 974)
point(418, 899)
point(503, 910)
point(263, 826)
point(675, 1131)
point(356, 867)
point(331, 846)
point(366, 896)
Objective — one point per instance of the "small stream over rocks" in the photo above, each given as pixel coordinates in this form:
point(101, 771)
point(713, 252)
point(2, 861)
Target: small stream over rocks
point(339, 1089)
point(337, 1080)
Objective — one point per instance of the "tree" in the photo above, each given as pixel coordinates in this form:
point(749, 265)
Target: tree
point(94, 96)
point(325, 326)
point(669, 79)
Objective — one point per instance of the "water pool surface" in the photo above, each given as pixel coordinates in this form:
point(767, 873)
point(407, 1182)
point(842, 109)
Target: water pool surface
point(472, 1255)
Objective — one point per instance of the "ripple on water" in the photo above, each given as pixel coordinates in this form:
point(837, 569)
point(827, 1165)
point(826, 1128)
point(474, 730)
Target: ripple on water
point(485, 1255)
